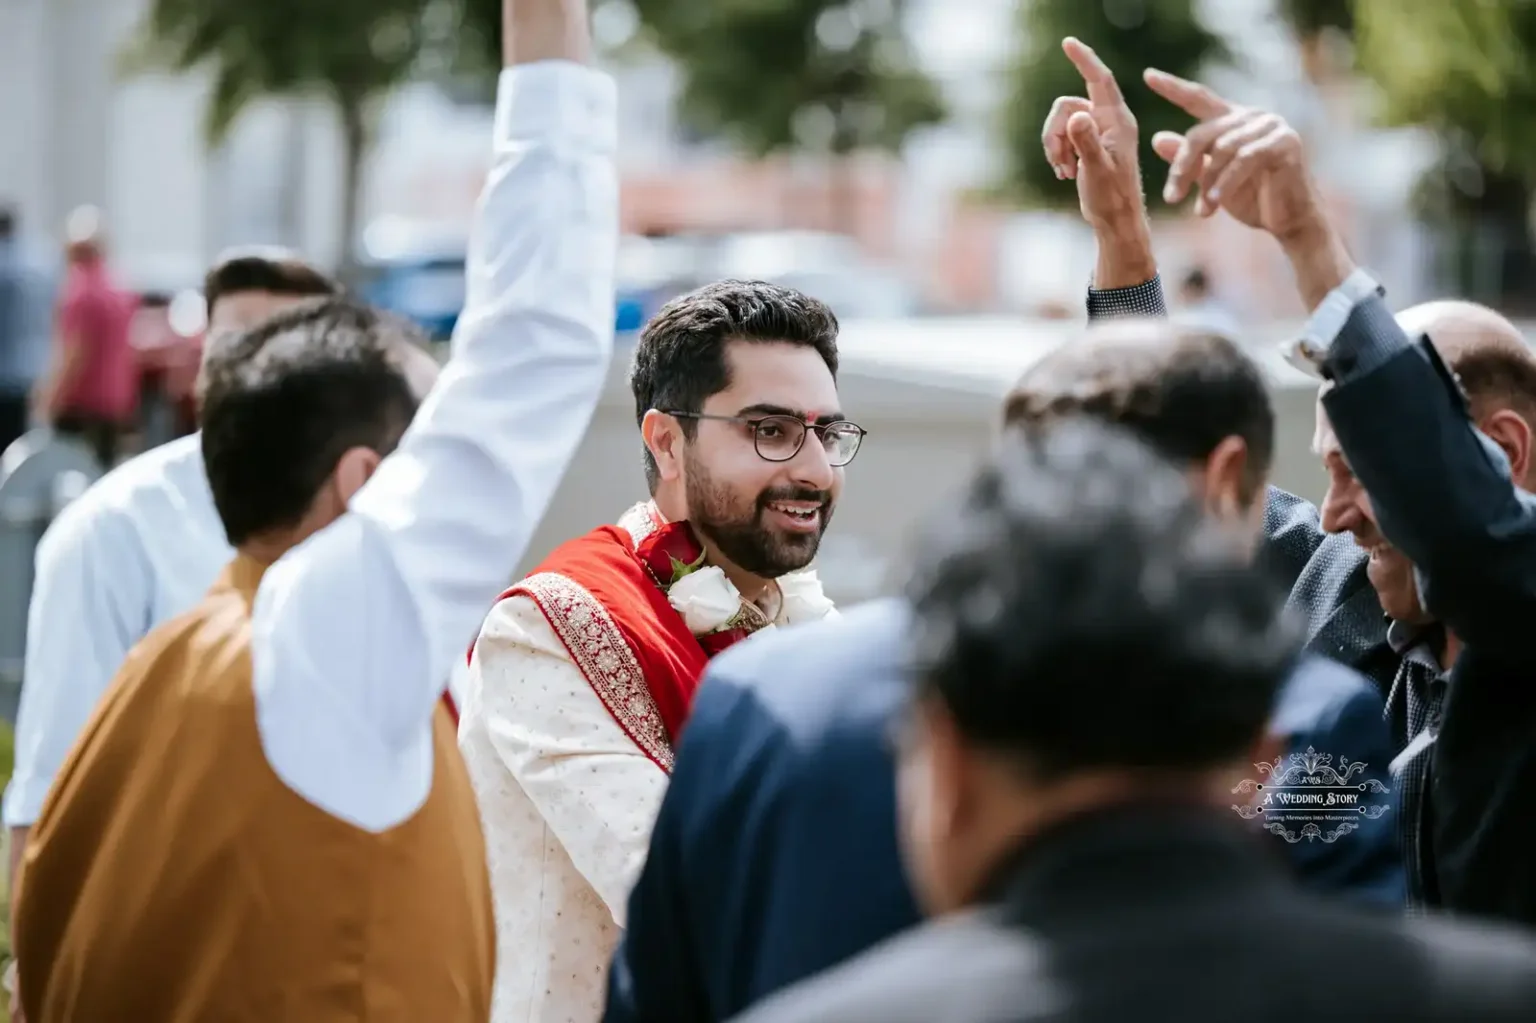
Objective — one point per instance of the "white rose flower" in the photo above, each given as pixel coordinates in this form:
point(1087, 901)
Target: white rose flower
point(804, 599)
point(706, 599)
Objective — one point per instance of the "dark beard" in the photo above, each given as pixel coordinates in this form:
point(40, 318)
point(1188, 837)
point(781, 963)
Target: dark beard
point(741, 535)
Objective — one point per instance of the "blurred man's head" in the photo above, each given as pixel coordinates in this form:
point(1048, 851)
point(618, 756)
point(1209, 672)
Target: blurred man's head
point(298, 413)
point(85, 236)
point(1194, 396)
point(245, 288)
point(1498, 372)
point(7, 222)
point(1195, 287)
point(725, 380)
point(1085, 635)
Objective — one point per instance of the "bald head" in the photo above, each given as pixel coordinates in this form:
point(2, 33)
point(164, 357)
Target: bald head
point(1487, 352)
point(84, 235)
point(1460, 327)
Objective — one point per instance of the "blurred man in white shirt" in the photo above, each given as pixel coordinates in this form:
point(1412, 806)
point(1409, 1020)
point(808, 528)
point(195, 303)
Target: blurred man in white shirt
point(138, 548)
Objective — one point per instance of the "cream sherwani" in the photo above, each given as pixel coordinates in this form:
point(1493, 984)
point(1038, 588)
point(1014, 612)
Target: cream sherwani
point(567, 801)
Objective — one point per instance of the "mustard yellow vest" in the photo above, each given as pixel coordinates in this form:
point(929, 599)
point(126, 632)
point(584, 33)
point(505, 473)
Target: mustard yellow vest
point(173, 877)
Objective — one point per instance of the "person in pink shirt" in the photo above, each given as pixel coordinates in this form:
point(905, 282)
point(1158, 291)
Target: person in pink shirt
point(90, 390)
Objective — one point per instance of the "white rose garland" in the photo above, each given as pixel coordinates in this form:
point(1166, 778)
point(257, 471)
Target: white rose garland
point(710, 602)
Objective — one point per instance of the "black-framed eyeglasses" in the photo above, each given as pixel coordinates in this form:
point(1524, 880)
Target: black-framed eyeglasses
point(780, 438)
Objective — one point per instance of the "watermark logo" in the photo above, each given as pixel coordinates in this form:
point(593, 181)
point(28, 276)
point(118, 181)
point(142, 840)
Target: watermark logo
point(1304, 797)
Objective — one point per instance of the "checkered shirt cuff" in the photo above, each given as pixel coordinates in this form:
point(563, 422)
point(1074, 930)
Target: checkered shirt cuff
point(1144, 299)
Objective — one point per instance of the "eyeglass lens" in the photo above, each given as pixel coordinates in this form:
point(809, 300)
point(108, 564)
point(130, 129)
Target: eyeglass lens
point(779, 439)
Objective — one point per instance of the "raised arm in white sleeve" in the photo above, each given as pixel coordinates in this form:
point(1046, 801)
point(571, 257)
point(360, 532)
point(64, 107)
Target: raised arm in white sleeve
point(90, 604)
point(356, 629)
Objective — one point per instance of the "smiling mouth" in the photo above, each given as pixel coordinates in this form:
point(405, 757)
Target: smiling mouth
point(798, 514)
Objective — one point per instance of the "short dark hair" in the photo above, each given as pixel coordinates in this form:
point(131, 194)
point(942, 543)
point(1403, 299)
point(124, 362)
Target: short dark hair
point(680, 357)
point(283, 401)
point(1182, 390)
point(7, 220)
point(279, 274)
point(1078, 593)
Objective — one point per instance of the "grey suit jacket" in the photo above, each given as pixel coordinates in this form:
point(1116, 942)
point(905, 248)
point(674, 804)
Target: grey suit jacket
point(1329, 590)
point(1165, 913)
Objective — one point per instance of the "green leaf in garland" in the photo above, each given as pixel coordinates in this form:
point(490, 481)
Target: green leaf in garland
point(680, 569)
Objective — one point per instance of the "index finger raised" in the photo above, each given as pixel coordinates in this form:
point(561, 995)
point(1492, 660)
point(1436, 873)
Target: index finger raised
point(1191, 97)
point(1102, 87)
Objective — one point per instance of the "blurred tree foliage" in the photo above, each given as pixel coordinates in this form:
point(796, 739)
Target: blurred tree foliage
point(1460, 67)
point(769, 75)
point(1309, 18)
point(1130, 35)
point(351, 52)
point(1466, 70)
point(476, 53)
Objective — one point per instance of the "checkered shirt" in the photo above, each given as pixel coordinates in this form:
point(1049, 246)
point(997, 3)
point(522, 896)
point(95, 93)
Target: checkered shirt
point(1415, 700)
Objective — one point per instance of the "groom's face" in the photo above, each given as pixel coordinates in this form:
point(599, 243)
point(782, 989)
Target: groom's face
point(766, 517)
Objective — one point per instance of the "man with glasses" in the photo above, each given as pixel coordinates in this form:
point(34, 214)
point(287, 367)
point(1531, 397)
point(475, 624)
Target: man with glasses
point(584, 672)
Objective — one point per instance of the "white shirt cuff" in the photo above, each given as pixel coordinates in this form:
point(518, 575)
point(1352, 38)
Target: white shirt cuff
point(23, 803)
point(558, 98)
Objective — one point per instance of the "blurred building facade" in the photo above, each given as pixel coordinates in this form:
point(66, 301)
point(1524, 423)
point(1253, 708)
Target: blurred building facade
point(73, 130)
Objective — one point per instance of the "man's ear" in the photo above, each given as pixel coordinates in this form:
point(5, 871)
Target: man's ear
point(1509, 430)
point(1225, 471)
point(663, 437)
point(354, 468)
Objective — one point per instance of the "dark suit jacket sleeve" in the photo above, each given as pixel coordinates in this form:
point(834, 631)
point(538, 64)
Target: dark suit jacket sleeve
point(656, 975)
point(1367, 865)
point(1440, 489)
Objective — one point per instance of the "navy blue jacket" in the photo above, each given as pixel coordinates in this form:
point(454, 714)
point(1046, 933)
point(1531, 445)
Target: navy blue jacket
point(774, 853)
point(775, 856)
point(1333, 710)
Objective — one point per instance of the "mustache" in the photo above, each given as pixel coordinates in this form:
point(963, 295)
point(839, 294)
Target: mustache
point(821, 497)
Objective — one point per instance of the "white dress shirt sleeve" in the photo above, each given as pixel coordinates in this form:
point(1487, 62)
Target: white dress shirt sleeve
point(91, 599)
point(597, 791)
point(354, 631)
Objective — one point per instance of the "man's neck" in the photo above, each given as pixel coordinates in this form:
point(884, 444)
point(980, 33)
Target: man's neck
point(264, 551)
point(751, 587)
point(1449, 650)
point(1438, 641)
point(1018, 823)
point(268, 547)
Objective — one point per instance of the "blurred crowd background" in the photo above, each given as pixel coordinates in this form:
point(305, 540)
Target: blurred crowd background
point(882, 154)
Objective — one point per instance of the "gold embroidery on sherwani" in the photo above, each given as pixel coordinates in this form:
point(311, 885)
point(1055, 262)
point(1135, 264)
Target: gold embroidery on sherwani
point(599, 650)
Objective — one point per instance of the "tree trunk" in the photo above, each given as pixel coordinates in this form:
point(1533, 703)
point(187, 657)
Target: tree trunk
point(843, 180)
point(295, 176)
point(355, 139)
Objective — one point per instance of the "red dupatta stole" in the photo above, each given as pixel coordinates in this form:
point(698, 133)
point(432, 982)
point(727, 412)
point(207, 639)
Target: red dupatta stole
point(605, 596)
